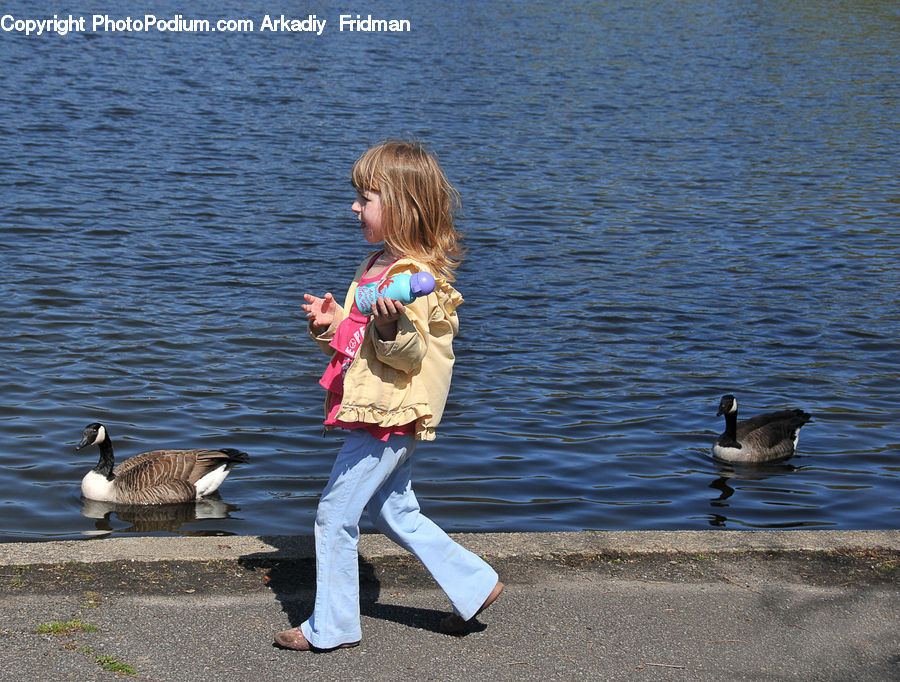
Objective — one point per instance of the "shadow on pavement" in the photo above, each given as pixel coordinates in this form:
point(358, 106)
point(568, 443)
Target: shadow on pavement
point(293, 582)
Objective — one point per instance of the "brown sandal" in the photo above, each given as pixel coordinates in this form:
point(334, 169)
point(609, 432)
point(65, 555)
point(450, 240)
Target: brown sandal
point(455, 625)
point(296, 640)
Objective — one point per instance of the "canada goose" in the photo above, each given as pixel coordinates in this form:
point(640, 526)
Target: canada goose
point(764, 438)
point(157, 477)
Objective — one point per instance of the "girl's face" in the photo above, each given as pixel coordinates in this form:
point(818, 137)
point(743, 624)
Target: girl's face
point(367, 207)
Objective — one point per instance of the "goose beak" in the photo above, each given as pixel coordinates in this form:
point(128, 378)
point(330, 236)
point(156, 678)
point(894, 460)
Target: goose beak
point(84, 441)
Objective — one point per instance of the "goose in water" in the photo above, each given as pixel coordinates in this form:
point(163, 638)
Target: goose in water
point(764, 438)
point(157, 477)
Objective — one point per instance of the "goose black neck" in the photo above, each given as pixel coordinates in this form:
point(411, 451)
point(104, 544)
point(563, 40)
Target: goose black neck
point(731, 426)
point(107, 460)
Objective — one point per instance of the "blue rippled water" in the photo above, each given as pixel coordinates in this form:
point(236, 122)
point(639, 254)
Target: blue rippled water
point(663, 202)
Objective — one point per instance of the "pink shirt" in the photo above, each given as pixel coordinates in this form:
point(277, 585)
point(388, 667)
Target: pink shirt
point(346, 342)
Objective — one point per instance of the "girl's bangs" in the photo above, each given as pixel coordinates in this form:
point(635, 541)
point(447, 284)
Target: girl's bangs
point(364, 171)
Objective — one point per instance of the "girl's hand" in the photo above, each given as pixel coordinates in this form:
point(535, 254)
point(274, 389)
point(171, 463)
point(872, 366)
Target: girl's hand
point(319, 311)
point(385, 313)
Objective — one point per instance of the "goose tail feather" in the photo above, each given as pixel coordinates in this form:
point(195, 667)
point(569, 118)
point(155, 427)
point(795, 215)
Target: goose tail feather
point(235, 456)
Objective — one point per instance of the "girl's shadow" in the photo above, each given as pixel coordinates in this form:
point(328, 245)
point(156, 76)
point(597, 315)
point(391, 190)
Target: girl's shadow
point(293, 582)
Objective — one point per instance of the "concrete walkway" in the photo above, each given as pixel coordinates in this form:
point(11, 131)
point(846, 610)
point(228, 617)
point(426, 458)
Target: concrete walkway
point(695, 605)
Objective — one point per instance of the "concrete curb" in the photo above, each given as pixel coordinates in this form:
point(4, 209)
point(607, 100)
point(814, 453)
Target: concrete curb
point(494, 545)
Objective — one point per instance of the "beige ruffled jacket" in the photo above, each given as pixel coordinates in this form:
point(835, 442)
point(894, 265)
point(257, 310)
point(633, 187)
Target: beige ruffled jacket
point(391, 383)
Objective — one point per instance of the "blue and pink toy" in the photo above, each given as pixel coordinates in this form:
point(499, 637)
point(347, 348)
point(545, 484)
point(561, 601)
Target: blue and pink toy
point(402, 287)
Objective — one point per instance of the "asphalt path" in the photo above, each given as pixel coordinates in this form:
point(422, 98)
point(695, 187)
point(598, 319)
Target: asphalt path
point(706, 605)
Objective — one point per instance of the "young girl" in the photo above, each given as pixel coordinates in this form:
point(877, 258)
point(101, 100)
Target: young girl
point(387, 384)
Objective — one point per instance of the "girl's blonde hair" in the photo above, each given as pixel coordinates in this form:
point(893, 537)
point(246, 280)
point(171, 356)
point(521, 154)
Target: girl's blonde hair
point(418, 203)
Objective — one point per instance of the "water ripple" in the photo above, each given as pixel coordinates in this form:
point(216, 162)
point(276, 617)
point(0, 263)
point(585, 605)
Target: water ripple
point(661, 206)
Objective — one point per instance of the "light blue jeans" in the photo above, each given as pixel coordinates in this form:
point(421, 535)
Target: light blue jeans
point(373, 475)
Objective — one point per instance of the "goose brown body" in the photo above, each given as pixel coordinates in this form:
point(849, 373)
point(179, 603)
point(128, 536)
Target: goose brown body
point(168, 474)
point(156, 477)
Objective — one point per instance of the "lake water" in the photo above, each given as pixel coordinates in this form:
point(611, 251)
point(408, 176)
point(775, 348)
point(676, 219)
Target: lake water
point(663, 202)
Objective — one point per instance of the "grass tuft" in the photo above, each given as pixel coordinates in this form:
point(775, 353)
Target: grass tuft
point(66, 628)
point(115, 665)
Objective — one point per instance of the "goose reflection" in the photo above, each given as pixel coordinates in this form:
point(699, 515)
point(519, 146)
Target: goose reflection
point(153, 518)
point(729, 481)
